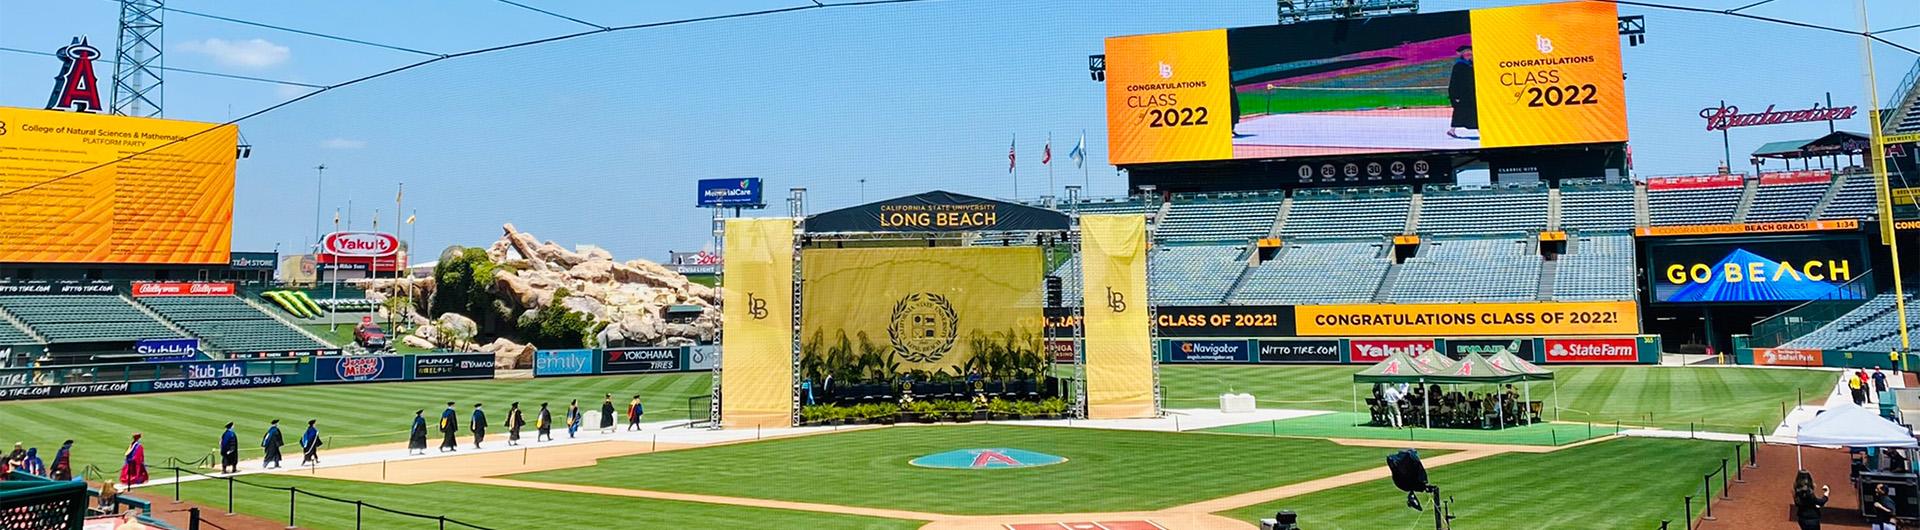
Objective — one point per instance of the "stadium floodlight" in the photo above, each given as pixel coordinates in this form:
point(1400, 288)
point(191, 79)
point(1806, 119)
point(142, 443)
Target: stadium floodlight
point(1292, 11)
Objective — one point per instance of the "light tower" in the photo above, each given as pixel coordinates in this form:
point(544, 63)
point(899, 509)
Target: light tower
point(137, 62)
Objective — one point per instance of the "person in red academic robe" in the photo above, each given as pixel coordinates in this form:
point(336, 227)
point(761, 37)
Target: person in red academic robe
point(63, 462)
point(133, 472)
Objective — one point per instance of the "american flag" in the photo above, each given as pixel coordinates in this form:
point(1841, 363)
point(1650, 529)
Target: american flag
point(1010, 155)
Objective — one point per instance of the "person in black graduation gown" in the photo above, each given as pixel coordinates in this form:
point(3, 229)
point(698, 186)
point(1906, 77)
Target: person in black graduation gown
point(515, 420)
point(478, 425)
point(310, 445)
point(229, 450)
point(449, 426)
point(417, 435)
point(543, 424)
point(1462, 96)
point(272, 443)
point(606, 414)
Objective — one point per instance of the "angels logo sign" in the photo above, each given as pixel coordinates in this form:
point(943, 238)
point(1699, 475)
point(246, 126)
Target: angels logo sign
point(76, 89)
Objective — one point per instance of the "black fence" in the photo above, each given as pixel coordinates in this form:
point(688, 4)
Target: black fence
point(294, 497)
point(1730, 470)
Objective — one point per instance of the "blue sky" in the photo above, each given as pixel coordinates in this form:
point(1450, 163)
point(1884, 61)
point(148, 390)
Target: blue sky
point(600, 139)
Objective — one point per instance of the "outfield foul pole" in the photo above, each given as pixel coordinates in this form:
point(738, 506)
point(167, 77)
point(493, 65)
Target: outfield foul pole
point(1878, 162)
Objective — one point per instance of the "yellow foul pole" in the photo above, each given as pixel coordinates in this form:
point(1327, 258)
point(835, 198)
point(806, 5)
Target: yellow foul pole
point(1883, 196)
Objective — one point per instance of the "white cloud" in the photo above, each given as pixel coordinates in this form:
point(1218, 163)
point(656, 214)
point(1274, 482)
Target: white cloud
point(343, 143)
point(250, 53)
point(291, 91)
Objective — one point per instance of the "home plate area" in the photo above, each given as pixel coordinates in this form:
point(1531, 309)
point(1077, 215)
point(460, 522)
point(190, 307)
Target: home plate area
point(1090, 525)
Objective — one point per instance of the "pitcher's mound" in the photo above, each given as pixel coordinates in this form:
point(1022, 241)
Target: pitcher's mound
point(996, 458)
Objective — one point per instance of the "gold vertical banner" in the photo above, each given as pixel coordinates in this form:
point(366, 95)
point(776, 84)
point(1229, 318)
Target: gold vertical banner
point(756, 362)
point(1119, 356)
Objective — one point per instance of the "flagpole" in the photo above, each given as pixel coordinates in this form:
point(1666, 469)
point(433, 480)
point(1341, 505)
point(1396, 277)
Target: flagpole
point(1048, 161)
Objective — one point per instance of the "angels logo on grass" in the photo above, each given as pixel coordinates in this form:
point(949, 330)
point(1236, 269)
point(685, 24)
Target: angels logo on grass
point(924, 327)
point(360, 368)
point(996, 458)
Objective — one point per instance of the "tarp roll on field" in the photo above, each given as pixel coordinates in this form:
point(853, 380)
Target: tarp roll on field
point(1119, 356)
point(757, 370)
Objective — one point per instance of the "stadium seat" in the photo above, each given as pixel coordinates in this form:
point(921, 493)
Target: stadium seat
point(1449, 211)
point(84, 318)
point(1317, 272)
point(1693, 206)
point(1491, 269)
point(1596, 267)
point(229, 324)
point(1348, 214)
point(1219, 219)
point(1785, 202)
point(1596, 206)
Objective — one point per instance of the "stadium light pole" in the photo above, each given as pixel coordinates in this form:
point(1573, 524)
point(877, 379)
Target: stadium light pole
point(320, 177)
point(1878, 163)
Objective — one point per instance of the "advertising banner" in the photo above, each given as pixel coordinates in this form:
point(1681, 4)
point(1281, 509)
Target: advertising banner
point(701, 358)
point(170, 349)
point(1807, 176)
point(741, 192)
point(359, 245)
point(144, 289)
point(1532, 75)
point(1756, 269)
point(1842, 225)
point(929, 307)
point(758, 368)
point(1375, 350)
point(1696, 182)
point(1522, 347)
point(1297, 351)
point(54, 288)
point(1118, 357)
point(279, 354)
point(937, 211)
point(1225, 321)
point(1061, 350)
point(453, 366)
point(72, 199)
point(1495, 319)
point(1591, 351)
point(1788, 357)
point(641, 360)
point(359, 368)
point(59, 391)
point(216, 375)
point(1207, 351)
point(253, 261)
point(547, 363)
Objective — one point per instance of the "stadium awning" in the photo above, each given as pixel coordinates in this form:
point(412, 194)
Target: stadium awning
point(937, 211)
point(1850, 425)
point(1834, 143)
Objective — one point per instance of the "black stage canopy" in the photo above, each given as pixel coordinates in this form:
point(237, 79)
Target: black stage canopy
point(937, 211)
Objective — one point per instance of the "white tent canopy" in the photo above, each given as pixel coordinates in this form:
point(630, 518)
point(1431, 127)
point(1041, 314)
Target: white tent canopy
point(1850, 425)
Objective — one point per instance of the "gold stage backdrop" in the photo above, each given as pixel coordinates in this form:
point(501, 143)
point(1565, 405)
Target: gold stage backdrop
point(1119, 358)
point(757, 363)
point(918, 308)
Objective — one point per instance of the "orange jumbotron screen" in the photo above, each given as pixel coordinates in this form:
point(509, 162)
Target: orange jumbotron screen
point(67, 195)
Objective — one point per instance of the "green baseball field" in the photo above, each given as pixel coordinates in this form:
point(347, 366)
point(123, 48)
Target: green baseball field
point(861, 478)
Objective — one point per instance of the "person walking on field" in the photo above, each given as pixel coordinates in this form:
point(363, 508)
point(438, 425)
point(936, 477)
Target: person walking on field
point(515, 421)
point(1866, 390)
point(449, 426)
point(634, 412)
point(229, 450)
point(310, 445)
point(1853, 385)
point(417, 435)
point(1879, 381)
point(543, 424)
point(133, 470)
point(1807, 504)
point(272, 442)
point(606, 414)
point(573, 417)
point(63, 462)
point(478, 425)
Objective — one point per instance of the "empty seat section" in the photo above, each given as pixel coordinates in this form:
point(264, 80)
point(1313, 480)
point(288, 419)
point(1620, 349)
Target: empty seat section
point(1193, 274)
point(1596, 267)
point(1469, 270)
point(1347, 214)
point(1854, 199)
point(1787, 201)
point(228, 324)
point(1447, 212)
point(84, 318)
point(1219, 219)
point(1596, 207)
point(1693, 206)
point(1317, 272)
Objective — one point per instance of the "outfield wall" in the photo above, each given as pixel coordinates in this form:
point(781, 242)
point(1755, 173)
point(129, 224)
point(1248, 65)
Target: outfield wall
point(1541, 332)
point(1643, 349)
point(1811, 357)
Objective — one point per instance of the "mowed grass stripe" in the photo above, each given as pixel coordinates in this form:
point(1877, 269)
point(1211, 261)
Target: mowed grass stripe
point(1625, 483)
point(1104, 471)
point(502, 508)
point(187, 424)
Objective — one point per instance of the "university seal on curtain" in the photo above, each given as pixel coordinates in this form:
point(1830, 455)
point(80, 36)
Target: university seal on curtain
point(923, 328)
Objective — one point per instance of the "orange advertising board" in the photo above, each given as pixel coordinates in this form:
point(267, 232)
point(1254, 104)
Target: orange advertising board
point(1472, 319)
point(1549, 74)
point(1787, 357)
point(90, 188)
point(1168, 97)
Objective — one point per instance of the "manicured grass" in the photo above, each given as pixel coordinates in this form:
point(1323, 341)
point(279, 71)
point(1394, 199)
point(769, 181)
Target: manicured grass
point(1350, 425)
point(1736, 400)
point(1104, 471)
point(500, 508)
point(1291, 100)
point(1626, 483)
point(187, 425)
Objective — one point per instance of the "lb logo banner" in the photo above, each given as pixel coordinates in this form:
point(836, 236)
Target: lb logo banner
point(928, 309)
point(759, 323)
point(1119, 357)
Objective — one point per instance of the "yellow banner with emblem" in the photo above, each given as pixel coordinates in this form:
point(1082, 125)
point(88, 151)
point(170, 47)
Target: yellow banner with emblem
point(874, 312)
point(757, 357)
point(1119, 353)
